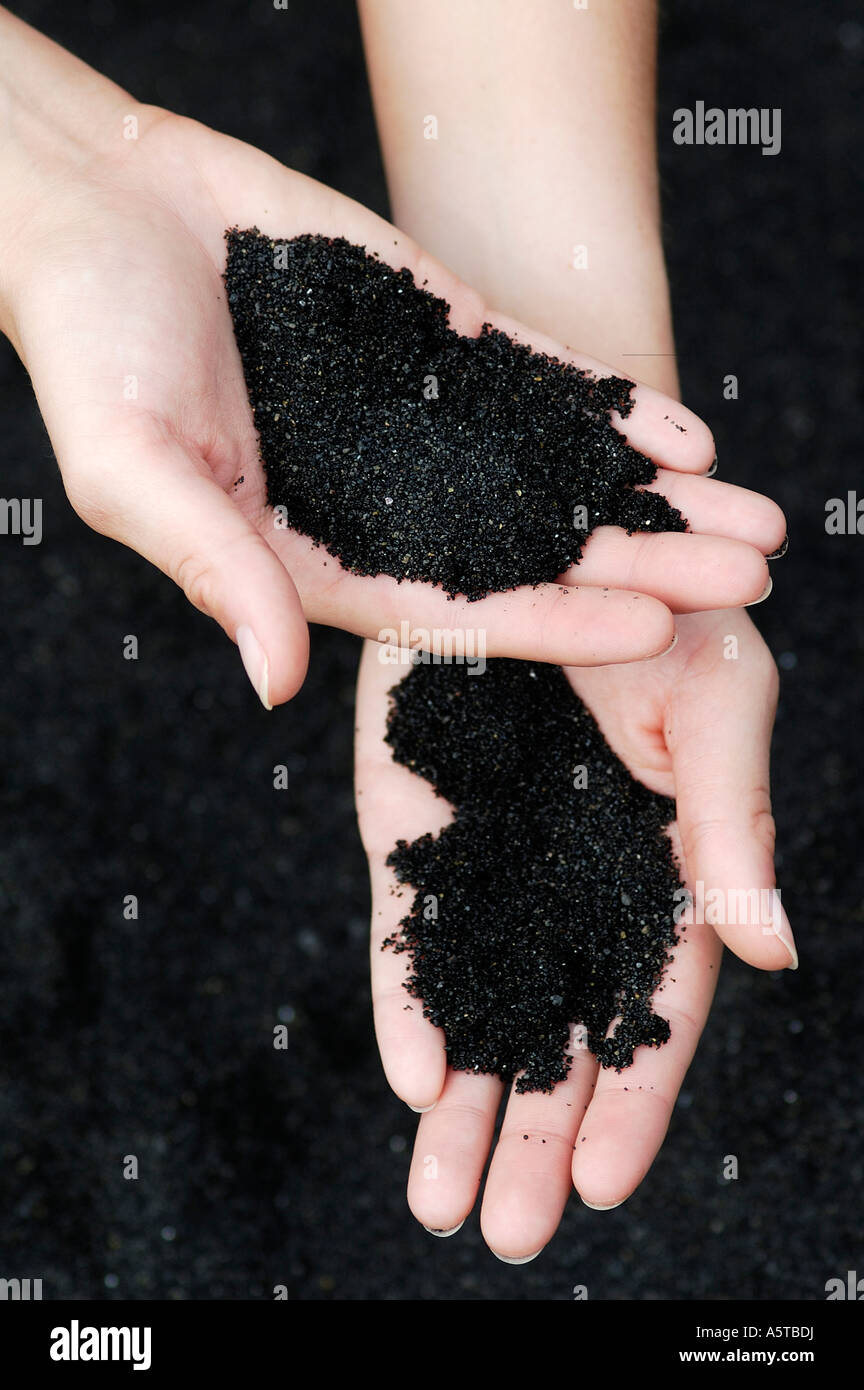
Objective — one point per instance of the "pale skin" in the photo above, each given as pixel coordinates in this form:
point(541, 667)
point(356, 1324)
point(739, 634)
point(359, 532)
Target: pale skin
point(111, 253)
point(546, 138)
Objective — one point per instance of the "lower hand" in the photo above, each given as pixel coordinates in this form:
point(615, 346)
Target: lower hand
point(695, 725)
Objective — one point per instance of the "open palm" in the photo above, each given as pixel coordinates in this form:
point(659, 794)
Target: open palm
point(118, 310)
point(695, 725)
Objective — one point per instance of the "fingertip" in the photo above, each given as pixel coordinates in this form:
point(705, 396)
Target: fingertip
point(256, 663)
point(763, 948)
point(415, 1070)
point(780, 551)
point(765, 593)
point(776, 530)
point(666, 650)
point(701, 447)
point(513, 1226)
point(276, 661)
point(439, 1205)
point(654, 625)
point(612, 627)
point(421, 1097)
point(291, 663)
point(599, 1190)
point(278, 657)
point(752, 574)
point(671, 433)
point(771, 957)
point(620, 1138)
point(444, 1234)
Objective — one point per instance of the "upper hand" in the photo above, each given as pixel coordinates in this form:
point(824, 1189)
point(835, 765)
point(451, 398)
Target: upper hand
point(112, 293)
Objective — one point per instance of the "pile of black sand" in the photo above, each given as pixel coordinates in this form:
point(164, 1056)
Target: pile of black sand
point(409, 450)
point(546, 902)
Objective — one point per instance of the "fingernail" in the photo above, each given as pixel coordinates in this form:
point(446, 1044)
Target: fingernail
point(609, 1207)
point(713, 469)
point(518, 1259)
point(783, 932)
point(762, 597)
point(255, 661)
point(422, 1109)
point(451, 1232)
point(665, 650)
point(777, 554)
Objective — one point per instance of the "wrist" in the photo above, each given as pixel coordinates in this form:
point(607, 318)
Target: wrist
point(613, 306)
point(607, 298)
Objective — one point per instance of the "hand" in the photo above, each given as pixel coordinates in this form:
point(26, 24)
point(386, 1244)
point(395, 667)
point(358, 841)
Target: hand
point(694, 725)
point(111, 292)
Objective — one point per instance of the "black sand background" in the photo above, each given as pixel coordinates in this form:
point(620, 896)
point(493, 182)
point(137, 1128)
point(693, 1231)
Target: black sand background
point(155, 777)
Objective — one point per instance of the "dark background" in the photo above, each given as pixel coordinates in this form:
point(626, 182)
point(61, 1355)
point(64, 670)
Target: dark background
point(154, 777)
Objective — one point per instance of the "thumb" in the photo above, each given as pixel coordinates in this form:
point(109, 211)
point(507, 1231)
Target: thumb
point(161, 503)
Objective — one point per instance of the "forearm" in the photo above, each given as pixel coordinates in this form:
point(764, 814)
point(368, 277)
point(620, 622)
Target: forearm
point(56, 115)
point(545, 144)
point(42, 79)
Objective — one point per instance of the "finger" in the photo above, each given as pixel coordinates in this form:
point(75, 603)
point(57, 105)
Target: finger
point(656, 425)
point(529, 1178)
point(627, 1119)
point(451, 1149)
point(724, 803)
point(713, 508)
point(412, 1050)
point(689, 573)
point(565, 625)
point(152, 496)
point(283, 204)
point(393, 804)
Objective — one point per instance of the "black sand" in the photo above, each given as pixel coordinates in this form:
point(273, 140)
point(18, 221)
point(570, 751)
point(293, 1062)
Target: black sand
point(290, 1167)
point(543, 903)
point(409, 450)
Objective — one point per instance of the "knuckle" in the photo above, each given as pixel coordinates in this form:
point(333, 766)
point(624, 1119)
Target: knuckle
point(195, 577)
point(698, 833)
point(762, 824)
point(754, 819)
